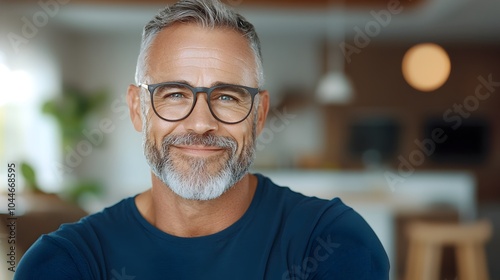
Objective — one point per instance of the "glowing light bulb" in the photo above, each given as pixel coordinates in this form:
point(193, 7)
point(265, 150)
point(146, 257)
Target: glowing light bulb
point(426, 67)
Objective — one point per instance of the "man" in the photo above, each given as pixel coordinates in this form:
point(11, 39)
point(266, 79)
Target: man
point(200, 105)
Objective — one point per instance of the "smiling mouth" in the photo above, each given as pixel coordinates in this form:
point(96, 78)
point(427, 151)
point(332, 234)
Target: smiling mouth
point(200, 150)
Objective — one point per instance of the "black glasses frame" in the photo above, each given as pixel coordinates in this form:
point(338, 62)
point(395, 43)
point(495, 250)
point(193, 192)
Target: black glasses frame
point(195, 90)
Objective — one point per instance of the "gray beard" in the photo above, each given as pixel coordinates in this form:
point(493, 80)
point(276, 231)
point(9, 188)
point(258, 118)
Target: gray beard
point(199, 178)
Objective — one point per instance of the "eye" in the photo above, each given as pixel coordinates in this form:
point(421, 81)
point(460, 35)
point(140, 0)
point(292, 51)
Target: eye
point(177, 95)
point(170, 96)
point(172, 92)
point(229, 94)
point(226, 98)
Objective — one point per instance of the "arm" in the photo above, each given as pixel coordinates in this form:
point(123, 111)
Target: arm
point(348, 248)
point(48, 259)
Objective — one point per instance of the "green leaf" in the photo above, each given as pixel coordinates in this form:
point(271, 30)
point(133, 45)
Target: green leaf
point(84, 187)
point(29, 176)
point(28, 173)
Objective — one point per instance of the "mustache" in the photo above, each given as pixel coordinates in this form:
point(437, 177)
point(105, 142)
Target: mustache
point(191, 139)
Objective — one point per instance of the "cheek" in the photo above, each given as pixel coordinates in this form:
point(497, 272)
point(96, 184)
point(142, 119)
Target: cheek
point(246, 134)
point(158, 129)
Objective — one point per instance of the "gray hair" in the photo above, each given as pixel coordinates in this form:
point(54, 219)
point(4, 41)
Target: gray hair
point(208, 14)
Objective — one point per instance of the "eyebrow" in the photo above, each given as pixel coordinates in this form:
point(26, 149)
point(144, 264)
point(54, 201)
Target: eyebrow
point(217, 83)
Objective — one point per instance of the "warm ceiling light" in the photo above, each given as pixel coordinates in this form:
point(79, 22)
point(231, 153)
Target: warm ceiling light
point(426, 67)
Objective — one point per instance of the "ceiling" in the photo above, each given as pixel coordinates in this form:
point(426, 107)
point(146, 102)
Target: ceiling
point(262, 3)
point(435, 20)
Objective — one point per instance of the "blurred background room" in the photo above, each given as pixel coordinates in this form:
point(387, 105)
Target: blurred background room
point(391, 105)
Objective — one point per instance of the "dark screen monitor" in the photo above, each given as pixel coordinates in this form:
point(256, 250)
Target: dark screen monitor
point(466, 142)
point(379, 134)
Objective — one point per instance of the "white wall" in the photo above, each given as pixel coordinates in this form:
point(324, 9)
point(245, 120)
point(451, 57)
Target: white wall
point(290, 63)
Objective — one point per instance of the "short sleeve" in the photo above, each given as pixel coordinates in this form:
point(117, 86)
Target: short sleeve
point(347, 248)
point(45, 260)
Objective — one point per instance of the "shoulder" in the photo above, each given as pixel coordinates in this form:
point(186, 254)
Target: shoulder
point(341, 245)
point(345, 247)
point(51, 257)
point(91, 228)
point(65, 253)
point(332, 240)
point(297, 208)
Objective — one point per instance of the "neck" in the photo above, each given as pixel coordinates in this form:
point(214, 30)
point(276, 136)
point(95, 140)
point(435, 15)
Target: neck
point(191, 218)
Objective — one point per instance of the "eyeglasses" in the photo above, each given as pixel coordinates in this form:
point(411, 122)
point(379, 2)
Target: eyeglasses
point(230, 104)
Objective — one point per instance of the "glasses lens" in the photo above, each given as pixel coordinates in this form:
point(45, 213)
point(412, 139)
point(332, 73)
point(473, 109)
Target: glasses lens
point(172, 102)
point(230, 103)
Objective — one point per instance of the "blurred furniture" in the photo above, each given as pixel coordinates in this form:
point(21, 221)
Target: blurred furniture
point(428, 239)
point(435, 214)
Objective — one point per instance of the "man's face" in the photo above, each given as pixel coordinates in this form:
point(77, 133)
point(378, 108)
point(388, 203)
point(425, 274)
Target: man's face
point(200, 157)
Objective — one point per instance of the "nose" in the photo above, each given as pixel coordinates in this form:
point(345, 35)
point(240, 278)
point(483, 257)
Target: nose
point(201, 120)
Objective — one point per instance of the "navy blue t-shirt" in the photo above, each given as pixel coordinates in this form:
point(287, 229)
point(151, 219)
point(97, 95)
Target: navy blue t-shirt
point(282, 235)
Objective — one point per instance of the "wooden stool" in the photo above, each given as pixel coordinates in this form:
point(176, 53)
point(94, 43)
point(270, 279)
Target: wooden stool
point(425, 249)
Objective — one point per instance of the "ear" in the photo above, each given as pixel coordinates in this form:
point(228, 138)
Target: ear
point(263, 108)
point(134, 106)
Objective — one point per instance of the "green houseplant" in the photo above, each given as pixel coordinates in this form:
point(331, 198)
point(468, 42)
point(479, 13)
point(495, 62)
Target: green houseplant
point(74, 110)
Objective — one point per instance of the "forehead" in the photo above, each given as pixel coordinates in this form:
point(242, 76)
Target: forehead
point(190, 49)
